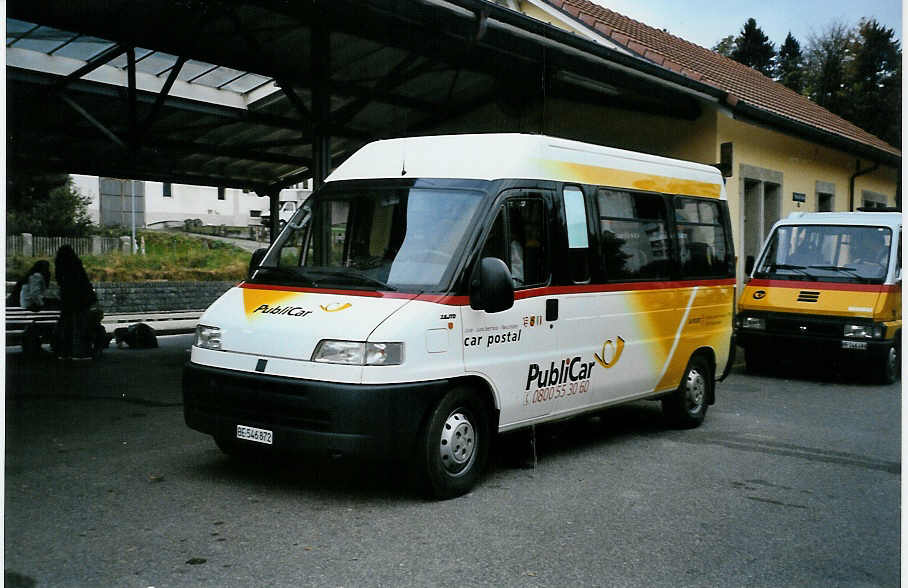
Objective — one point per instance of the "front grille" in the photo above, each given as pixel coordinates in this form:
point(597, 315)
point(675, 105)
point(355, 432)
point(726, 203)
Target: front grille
point(808, 296)
point(811, 326)
point(254, 400)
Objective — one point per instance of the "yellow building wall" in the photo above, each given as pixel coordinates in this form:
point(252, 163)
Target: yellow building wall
point(802, 164)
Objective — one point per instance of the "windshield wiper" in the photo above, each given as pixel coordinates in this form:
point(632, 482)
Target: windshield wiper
point(349, 274)
point(852, 272)
point(370, 279)
point(788, 266)
point(294, 274)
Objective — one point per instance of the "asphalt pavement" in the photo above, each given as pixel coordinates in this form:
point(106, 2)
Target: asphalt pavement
point(793, 480)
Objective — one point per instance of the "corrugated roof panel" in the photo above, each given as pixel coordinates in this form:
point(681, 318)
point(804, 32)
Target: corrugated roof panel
point(83, 48)
point(43, 39)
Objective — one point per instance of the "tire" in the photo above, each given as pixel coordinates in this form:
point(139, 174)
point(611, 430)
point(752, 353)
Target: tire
point(888, 368)
point(454, 444)
point(686, 407)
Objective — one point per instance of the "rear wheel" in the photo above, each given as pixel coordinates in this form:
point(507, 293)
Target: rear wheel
point(455, 443)
point(686, 406)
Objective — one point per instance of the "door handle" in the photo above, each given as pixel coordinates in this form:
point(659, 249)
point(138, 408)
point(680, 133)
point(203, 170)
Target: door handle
point(551, 310)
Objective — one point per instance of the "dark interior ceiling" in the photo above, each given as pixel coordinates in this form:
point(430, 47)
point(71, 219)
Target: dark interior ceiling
point(266, 93)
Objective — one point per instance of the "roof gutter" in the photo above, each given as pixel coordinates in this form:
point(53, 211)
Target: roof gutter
point(821, 136)
point(517, 23)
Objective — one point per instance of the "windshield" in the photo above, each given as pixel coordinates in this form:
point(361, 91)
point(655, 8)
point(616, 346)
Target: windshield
point(827, 253)
point(378, 238)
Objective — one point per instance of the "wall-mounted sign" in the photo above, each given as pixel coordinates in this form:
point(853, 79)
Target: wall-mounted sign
point(798, 197)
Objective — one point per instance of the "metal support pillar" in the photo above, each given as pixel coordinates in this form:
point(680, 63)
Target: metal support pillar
point(274, 198)
point(321, 105)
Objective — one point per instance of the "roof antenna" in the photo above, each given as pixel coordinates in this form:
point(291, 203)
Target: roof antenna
point(403, 164)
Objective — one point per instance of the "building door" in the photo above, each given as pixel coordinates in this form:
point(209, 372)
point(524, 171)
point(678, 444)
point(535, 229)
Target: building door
point(762, 208)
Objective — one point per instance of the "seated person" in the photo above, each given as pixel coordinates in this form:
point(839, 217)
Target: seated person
point(29, 292)
point(870, 254)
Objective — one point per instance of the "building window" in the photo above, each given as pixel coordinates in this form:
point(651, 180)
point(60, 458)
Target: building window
point(222, 193)
point(825, 202)
point(874, 199)
point(168, 190)
point(255, 213)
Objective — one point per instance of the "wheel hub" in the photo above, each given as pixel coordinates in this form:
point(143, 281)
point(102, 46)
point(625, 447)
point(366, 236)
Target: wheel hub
point(458, 442)
point(696, 390)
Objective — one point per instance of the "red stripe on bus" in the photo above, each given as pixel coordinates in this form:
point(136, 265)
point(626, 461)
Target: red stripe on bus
point(800, 285)
point(451, 300)
point(310, 290)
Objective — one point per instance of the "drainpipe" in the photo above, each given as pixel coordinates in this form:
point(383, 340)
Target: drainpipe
point(858, 172)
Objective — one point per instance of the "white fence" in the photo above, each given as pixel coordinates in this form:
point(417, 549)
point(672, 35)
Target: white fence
point(28, 245)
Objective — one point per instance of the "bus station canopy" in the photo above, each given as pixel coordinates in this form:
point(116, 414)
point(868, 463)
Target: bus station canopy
point(263, 94)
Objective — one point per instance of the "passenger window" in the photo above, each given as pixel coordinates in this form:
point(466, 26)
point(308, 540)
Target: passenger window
point(578, 234)
point(634, 243)
point(701, 238)
point(518, 237)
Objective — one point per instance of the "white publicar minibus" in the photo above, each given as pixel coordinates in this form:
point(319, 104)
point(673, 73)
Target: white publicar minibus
point(439, 290)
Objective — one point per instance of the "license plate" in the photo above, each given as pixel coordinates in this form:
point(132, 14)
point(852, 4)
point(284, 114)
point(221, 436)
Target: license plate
point(854, 344)
point(252, 434)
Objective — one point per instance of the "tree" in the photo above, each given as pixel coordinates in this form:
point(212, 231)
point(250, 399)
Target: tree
point(753, 48)
point(873, 88)
point(827, 56)
point(725, 46)
point(856, 73)
point(790, 65)
point(45, 204)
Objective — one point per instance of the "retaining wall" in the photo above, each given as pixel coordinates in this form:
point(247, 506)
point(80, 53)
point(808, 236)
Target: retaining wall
point(154, 296)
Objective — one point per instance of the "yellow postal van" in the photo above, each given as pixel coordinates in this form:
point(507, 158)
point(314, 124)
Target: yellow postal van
point(438, 290)
point(827, 284)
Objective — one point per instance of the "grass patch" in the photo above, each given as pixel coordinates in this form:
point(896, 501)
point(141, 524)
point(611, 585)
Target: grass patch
point(168, 256)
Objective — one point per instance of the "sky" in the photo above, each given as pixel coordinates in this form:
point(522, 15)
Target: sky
point(707, 22)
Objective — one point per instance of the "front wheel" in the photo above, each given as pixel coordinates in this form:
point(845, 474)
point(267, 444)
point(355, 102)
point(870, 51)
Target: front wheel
point(686, 406)
point(455, 443)
point(887, 370)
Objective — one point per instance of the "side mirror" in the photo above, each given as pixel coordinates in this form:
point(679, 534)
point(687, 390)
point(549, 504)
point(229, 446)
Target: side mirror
point(257, 256)
point(749, 264)
point(492, 289)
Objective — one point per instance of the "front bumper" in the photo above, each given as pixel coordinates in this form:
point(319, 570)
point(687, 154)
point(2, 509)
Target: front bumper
point(785, 346)
point(307, 415)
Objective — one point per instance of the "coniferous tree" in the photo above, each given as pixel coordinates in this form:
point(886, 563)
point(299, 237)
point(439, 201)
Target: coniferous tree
point(790, 65)
point(753, 48)
point(873, 88)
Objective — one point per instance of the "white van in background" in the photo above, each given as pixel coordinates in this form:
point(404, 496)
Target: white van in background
point(438, 290)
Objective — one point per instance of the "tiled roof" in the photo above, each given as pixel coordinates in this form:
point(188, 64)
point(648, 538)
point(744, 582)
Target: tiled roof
point(741, 82)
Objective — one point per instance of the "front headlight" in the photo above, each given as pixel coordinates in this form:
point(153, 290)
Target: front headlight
point(864, 331)
point(858, 331)
point(752, 322)
point(358, 353)
point(207, 337)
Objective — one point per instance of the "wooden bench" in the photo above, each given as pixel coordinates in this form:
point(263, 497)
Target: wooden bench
point(31, 329)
